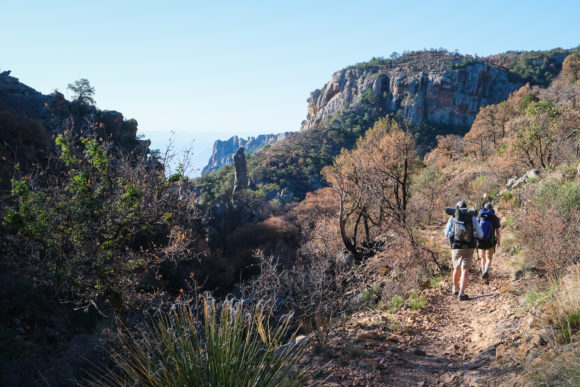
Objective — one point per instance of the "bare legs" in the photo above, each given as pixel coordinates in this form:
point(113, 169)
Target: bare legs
point(486, 257)
point(460, 278)
point(461, 263)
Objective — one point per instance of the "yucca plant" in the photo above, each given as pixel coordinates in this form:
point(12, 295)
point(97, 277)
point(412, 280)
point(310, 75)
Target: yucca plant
point(237, 348)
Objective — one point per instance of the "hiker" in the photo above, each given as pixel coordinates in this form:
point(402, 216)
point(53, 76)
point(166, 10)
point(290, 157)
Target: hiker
point(491, 228)
point(463, 230)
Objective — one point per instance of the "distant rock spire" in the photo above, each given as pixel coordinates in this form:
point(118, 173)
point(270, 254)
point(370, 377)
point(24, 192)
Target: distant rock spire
point(241, 177)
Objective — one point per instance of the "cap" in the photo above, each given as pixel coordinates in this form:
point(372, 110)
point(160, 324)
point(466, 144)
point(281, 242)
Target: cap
point(488, 206)
point(461, 204)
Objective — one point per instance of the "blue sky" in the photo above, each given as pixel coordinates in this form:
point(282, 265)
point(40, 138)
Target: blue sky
point(209, 70)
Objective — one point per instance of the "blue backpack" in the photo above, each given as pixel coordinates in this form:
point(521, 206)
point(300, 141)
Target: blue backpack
point(485, 218)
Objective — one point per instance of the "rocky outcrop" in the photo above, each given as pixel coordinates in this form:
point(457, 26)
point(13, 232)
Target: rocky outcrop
point(441, 96)
point(28, 119)
point(53, 110)
point(223, 151)
point(241, 172)
point(515, 182)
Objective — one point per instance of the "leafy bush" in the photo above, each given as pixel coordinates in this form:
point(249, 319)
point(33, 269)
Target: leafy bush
point(549, 226)
point(369, 293)
point(93, 219)
point(539, 297)
point(564, 197)
point(237, 348)
point(396, 303)
point(415, 300)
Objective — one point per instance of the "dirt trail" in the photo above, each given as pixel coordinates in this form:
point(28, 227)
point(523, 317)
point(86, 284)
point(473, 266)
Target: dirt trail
point(448, 342)
point(455, 343)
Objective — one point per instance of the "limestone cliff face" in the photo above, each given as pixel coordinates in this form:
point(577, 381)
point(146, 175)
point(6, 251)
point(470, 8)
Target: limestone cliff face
point(443, 96)
point(223, 151)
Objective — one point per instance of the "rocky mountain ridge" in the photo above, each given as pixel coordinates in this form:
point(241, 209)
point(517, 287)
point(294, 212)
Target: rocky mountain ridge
point(224, 150)
point(430, 93)
point(51, 110)
point(29, 118)
point(449, 94)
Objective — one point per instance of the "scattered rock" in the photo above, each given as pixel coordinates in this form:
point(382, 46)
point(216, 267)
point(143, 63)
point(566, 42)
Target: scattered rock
point(528, 346)
point(368, 335)
point(516, 182)
point(419, 352)
point(383, 270)
point(500, 352)
point(369, 363)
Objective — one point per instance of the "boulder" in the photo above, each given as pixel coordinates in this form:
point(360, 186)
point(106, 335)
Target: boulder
point(516, 182)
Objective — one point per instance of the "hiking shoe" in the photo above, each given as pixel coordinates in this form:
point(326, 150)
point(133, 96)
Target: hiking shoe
point(463, 297)
point(485, 275)
point(453, 291)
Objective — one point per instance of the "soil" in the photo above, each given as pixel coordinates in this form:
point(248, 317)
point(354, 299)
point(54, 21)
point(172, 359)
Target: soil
point(484, 341)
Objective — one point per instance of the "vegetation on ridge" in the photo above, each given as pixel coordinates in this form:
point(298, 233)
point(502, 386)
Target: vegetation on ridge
point(109, 229)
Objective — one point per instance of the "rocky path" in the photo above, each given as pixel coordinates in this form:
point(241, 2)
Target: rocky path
point(479, 342)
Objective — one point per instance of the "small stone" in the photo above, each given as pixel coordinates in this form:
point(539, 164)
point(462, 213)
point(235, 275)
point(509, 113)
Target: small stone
point(300, 338)
point(367, 335)
point(500, 352)
point(369, 363)
point(419, 352)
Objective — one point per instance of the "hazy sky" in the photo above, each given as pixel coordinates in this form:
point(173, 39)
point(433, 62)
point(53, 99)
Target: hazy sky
point(209, 70)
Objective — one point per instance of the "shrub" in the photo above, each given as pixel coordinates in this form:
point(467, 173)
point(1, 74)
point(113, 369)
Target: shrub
point(92, 220)
point(564, 310)
point(396, 303)
point(314, 289)
point(548, 226)
point(370, 293)
point(561, 370)
point(236, 349)
point(416, 301)
point(564, 197)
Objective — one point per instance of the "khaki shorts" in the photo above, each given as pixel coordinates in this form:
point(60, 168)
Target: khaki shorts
point(462, 257)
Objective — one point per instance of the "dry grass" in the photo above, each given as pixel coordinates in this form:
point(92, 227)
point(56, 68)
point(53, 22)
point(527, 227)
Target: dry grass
point(562, 367)
point(564, 311)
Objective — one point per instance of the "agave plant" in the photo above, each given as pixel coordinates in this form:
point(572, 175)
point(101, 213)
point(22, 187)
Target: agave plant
point(234, 348)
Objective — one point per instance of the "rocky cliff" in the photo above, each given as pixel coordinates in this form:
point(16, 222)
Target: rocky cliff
point(28, 119)
point(428, 87)
point(223, 151)
point(52, 110)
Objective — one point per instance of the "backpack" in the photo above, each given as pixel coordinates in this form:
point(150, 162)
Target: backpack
point(462, 226)
point(485, 218)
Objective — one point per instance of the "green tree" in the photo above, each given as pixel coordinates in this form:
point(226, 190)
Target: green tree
point(83, 92)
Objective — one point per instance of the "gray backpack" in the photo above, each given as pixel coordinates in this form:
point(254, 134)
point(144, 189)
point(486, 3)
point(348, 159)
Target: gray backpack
point(462, 226)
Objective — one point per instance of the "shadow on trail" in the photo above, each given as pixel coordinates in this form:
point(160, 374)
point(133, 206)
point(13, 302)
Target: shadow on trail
point(490, 295)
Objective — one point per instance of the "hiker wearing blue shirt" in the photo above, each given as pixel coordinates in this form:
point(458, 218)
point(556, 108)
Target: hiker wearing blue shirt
point(491, 227)
point(463, 230)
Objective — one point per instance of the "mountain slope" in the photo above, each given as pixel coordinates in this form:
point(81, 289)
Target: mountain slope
point(429, 93)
